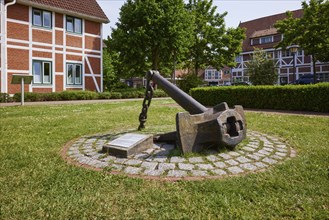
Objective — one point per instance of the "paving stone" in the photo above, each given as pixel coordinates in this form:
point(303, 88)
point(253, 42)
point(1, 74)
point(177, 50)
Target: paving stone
point(232, 162)
point(166, 166)
point(154, 172)
point(108, 158)
point(149, 165)
point(219, 172)
point(220, 164)
point(185, 166)
point(248, 149)
point(199, 173)
point(177, 173)
point(195, 160)
point(264, 152)
point(160, 159)
point(281, 146)
point(292, 153)
point(133, 162)
point(120, 160)
point(212, 158)
point(252, 156)
point(282, 150)
point(225, 156)
point(281, 154)
point(96, 156)
point(204, 166)
point(233, 153)
point(101, 164)
point(276, 157)
point(260, 164)
point(177, 160)
point(268, 149)
point(133, 170)
point(242, 159)
point(248, 166)
point(269, 160)
point(235, 170)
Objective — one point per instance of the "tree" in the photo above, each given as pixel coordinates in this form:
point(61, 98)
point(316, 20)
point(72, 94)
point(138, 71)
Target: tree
point(310, 31)
point(261, 69)
point(214, 45)
point(151, 34)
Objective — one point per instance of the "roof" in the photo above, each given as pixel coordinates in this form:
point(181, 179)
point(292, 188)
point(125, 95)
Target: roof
point(88, 9)
point(263, 27)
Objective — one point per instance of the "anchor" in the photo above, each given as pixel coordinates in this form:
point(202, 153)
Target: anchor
point(200, 127)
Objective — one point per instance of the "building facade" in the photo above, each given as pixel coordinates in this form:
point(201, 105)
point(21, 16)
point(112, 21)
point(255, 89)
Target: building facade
point(260, 33)
point(58, 42)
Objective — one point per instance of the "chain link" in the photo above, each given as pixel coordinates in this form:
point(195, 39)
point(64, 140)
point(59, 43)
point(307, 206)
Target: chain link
point(146, 105)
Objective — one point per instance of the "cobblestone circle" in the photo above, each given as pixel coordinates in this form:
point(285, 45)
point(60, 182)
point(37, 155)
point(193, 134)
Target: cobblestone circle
point(261, 152)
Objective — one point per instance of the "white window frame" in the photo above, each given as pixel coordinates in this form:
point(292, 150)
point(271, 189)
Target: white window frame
point(74, 24)
point(42, 73)
point(74, 76)
point(43, 14)
point(266, 40)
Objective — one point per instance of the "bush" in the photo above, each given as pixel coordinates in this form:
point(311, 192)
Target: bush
point(4, 97)
point(189, 81)
point(289, 97)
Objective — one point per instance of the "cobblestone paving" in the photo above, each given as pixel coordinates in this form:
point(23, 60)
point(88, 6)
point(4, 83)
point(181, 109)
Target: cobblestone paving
point(261, 152)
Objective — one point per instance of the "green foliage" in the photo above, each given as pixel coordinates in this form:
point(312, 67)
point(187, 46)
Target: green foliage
point(86, 95)
point(213, 45)
point(149, 35)
point(290, 97)
point(4, 97)
point(189, 81)
point(261, 69)
point(110, 78)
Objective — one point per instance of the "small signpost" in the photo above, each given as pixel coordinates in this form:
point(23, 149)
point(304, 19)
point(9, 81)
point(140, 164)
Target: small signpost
point(21, 79)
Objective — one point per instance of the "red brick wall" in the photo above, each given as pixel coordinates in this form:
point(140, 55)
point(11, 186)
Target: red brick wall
point(95, 65)
point(18, 12)
point(73, 41)
point(92, 27)
point(59, 20)
point(41, 36)
point(41, 54)
point(59, 37)
point(18, 31)
point(92, 43)
point(42, 90)
point(73, 57)
point(59, 63)
point(59, 83)
point(18, 59)
point(90, 85)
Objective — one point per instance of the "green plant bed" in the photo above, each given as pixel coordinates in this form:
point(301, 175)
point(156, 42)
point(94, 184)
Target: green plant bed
point(37, 183)
point(290, 97)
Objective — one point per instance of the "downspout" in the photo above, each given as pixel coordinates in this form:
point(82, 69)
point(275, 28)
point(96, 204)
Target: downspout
point(4, 57)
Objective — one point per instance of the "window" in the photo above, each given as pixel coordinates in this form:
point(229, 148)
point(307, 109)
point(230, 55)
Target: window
point(41, 72)
point(73, 25)
point(74, 74)
point(216, 74)
point(41, 18)
point(265, 40)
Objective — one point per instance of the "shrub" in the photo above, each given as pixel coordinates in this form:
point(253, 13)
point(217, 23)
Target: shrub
point(289, 97)
point(4, 97)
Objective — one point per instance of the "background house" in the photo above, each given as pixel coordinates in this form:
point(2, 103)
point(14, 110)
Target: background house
point(260, 33)
point(58, 42)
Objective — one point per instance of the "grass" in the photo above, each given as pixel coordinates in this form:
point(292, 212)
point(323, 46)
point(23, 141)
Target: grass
point(36, 183)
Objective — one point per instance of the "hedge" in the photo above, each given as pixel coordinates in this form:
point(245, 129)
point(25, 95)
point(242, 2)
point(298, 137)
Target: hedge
point(78, 95)
point(290, 97)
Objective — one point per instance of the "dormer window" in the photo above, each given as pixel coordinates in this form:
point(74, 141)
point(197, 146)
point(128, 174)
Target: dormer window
point(41, 18)
point(265, 40)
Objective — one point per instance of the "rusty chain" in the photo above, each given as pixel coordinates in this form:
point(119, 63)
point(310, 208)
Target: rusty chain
point(146, 105)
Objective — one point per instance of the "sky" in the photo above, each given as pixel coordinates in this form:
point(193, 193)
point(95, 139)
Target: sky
point(238, 10)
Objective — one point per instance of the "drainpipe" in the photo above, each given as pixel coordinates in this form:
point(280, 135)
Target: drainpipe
point(4, 57)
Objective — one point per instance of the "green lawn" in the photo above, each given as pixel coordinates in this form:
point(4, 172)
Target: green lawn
point(36, 183)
